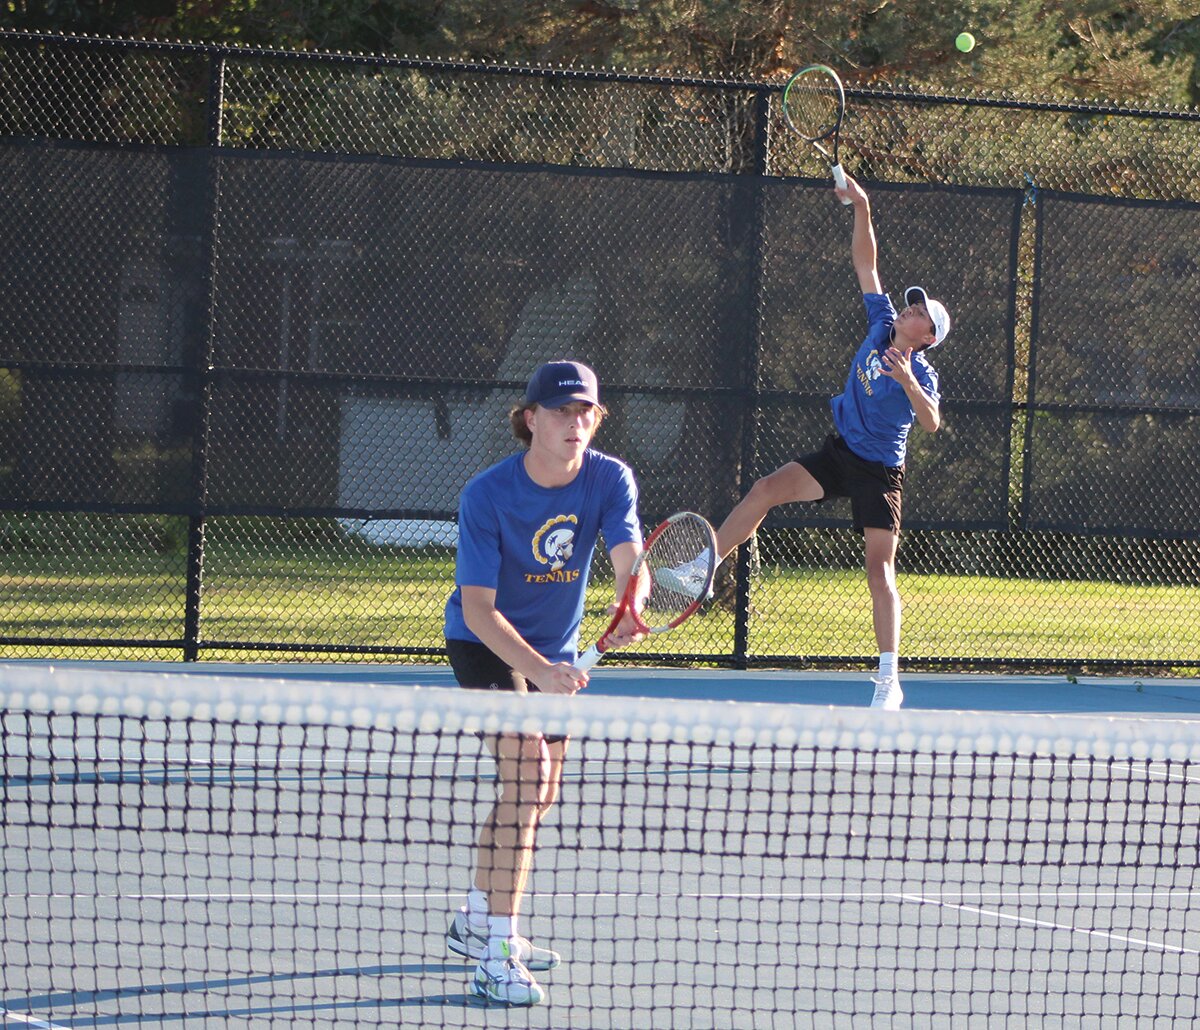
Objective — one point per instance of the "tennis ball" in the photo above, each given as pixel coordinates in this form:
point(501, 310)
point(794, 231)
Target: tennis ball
point(965, 42)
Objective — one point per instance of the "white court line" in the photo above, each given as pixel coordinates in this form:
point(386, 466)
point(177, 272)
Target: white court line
point(1025, 920)
point(32, 1021)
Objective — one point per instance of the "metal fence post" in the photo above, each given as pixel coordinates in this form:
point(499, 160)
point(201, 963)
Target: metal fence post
point(751, 411)
point(202, 367)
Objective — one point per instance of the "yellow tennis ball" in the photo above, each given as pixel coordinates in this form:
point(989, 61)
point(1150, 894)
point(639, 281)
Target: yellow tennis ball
point(965, 42)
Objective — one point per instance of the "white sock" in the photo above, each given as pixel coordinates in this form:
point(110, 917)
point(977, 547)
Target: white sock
point(887, 664)
point(477, 910)
point(500, 929)
point(502, 926)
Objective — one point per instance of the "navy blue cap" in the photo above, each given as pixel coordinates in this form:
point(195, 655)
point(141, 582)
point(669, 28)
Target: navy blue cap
point(560, 382)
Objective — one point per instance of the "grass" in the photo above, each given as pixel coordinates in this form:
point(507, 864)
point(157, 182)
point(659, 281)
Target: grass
point(980, 617)
point(362, 596)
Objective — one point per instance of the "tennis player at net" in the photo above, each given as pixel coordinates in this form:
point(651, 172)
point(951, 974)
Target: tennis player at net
point(891, 383)
point(527, 529)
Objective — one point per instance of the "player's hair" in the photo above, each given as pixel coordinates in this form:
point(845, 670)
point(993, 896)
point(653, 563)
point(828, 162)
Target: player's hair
point(520, 430)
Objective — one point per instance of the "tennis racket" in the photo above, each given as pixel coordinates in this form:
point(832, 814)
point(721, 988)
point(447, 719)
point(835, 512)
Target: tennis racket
point(671, 579)
point(814, 104)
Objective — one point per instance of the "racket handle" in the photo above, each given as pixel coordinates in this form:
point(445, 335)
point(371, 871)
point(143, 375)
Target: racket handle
point(589, 658)
point(839, 180)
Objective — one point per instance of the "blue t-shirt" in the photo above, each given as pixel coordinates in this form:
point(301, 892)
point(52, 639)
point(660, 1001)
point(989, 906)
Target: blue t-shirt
point(533, 545)
point(873, 413)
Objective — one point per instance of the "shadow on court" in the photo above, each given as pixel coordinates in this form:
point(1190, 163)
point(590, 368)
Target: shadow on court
point(85, 1008)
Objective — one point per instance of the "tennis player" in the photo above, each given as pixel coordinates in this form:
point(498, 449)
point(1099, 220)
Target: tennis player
point(527, 532)
point(891, 383)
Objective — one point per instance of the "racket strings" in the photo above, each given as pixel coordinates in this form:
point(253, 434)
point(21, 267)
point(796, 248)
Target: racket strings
point(684, 551)
point(813, 105)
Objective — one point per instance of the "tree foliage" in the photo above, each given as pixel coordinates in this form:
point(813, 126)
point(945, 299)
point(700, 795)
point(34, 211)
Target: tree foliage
point(1135, 51)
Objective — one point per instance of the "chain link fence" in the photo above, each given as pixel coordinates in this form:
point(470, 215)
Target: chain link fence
point(266, 313)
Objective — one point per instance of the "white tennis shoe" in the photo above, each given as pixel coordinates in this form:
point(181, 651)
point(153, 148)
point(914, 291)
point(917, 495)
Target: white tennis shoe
point(686, 579)
point(506, 980)
point(888, 694)
point(463, 940)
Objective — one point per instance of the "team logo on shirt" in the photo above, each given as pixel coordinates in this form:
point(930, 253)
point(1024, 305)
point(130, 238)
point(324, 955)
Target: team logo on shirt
point(872, 372)
point(554, 542)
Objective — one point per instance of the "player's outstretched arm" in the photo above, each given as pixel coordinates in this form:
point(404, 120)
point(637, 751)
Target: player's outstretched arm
point(863, 249)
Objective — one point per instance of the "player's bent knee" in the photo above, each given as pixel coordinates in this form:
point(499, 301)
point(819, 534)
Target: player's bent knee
point(787, 485)
point(769, 491)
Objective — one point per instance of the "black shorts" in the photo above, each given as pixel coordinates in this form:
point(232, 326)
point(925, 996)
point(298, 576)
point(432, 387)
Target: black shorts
point(478, 667)
point(875, 490)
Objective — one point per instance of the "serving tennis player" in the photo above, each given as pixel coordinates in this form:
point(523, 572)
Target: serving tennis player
point(527, 530)
point(891, 384)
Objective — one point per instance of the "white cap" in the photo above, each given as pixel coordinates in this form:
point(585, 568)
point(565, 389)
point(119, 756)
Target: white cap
point(937, 312)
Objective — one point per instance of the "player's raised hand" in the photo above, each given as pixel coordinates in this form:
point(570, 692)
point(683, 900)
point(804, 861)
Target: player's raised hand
point(897, 364)
point(852, 194)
